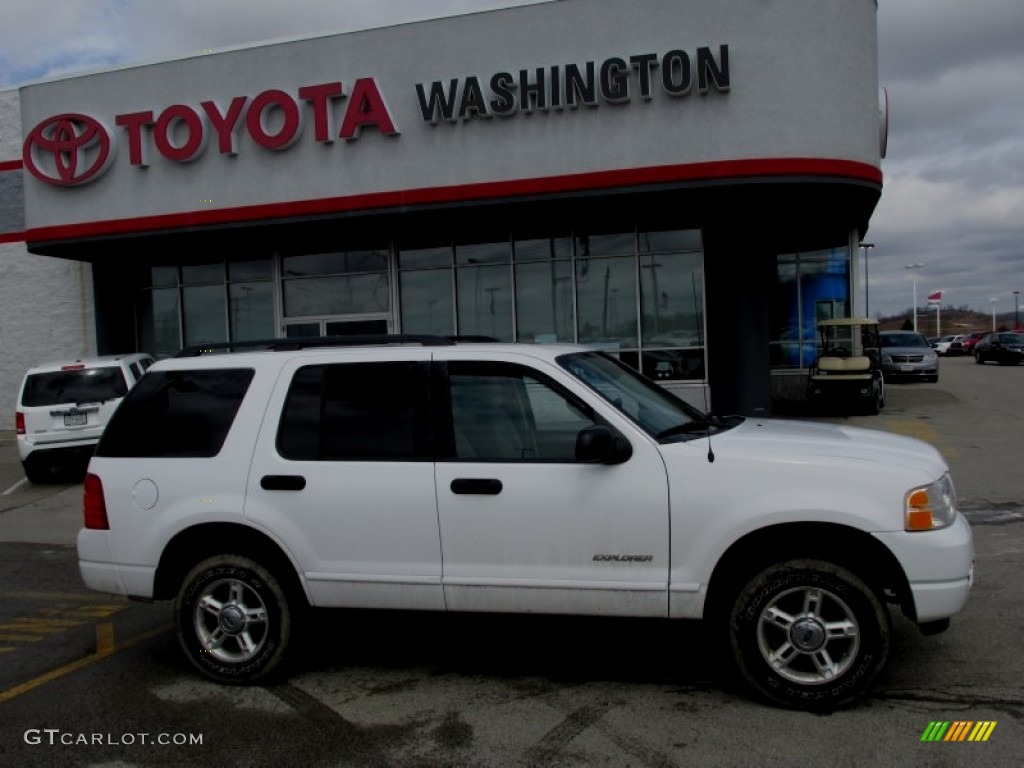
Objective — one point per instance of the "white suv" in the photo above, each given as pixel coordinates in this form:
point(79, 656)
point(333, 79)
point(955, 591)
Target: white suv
point(63, 407)
point(248, 487)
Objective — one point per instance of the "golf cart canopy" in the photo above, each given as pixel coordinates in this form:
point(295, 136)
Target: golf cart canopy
point(840, 322)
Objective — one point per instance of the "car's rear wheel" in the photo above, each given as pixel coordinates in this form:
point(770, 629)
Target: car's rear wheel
point(37, 472)
point(233, 619)
point(809, 634)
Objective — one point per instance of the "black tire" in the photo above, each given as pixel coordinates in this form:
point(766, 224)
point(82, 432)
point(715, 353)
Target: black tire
point(233, 620)
point(874, 405)
point(37, 473)
point(788, 611)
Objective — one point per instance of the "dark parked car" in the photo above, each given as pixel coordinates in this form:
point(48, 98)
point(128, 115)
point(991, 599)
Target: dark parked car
point(1003, 348)
point(907, 354)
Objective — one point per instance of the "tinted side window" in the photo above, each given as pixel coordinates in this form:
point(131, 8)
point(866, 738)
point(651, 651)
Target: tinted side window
point(86, 385)
point(506, 412)
point(356, 411)
point(182, 414)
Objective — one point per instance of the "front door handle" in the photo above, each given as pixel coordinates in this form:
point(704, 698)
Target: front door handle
point(480, 486)
point(282, 482)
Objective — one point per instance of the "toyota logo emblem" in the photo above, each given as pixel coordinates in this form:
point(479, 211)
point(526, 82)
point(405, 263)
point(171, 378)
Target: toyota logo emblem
point(67, 150)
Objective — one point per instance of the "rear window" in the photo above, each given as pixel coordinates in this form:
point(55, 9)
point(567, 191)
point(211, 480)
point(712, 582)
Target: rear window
point(356, 411)
point(176, 414)
point(85, 385)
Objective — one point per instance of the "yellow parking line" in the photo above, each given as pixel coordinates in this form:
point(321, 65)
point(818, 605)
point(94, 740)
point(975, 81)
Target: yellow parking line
point(29, 628)
point(920, 430)
point(88, 597)
point(7, 650)
point(21, 638)
point(104, 649)
point(96, 612)
point(36, 624)
point(104, 639)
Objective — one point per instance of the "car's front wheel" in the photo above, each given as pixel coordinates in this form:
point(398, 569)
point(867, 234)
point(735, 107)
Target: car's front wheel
point(233, 619)
point(809, 634)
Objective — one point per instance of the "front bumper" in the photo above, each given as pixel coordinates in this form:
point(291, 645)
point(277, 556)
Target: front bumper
point(923, 370)
point(939, 566)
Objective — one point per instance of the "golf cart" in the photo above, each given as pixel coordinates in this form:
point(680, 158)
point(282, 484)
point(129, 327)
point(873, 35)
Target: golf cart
point(847, 373)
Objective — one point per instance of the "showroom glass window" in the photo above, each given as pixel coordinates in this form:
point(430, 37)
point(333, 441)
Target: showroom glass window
point(638, 295)
point(809, 287)
point(204, 304)
point(426, 284)
point(339, 283)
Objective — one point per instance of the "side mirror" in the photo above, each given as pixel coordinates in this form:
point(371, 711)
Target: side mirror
point(602, 445)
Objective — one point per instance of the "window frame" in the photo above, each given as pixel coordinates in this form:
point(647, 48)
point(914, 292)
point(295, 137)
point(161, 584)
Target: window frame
point(422, 436)
point(444, 423)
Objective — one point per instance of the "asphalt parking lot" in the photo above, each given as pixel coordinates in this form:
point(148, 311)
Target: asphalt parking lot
point(426, 690)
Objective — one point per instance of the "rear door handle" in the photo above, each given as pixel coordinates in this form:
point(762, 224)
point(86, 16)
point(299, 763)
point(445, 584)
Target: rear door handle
point(282, 482)
point(481, 486)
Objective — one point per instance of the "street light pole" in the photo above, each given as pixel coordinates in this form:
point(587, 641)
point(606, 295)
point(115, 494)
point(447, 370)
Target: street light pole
point(913, 271)
point(993, 303)
point(867, 305)
point(1016, 310)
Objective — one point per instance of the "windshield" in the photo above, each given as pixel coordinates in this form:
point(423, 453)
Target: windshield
point(654, 409)
point(904, 340)
point(86, 385)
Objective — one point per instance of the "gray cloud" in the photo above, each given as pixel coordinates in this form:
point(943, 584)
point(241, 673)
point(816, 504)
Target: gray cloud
point(953, 198)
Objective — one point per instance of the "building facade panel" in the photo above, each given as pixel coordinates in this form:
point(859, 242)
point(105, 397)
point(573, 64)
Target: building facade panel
point(684, 186)
point(506, 102)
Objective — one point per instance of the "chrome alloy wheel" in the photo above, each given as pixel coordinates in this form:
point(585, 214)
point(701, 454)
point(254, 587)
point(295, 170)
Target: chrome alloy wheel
point(231, 621)
point(808, 635)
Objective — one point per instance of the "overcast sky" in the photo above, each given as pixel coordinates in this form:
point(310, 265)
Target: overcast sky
point(953, 196)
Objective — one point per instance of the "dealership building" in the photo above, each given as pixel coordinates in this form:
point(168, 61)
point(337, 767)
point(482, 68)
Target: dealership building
point(682, 184)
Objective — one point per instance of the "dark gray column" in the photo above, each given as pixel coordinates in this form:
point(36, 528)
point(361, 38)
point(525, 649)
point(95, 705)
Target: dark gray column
point(739, 273)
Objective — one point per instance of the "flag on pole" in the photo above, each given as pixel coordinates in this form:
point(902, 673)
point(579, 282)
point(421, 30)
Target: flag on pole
point(935, 298)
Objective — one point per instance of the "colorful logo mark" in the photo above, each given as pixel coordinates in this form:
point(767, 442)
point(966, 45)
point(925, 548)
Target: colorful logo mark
point(958, 730)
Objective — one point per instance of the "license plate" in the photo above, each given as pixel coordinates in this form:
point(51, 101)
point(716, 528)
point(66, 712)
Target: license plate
point(906, 368)
point(76, 419)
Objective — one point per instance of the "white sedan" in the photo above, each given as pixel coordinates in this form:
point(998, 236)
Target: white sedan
point(948, 346)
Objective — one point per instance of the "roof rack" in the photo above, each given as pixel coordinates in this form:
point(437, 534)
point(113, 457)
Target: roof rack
point(291, 345)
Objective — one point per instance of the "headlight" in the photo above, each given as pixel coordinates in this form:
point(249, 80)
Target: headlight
point(930, 507)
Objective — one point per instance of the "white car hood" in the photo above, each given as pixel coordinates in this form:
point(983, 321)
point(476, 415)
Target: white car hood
point(814, 442)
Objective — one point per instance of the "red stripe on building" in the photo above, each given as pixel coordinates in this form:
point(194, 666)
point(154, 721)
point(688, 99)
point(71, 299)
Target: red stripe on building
point(776, 168)
point(12, 237)
point(11, 165)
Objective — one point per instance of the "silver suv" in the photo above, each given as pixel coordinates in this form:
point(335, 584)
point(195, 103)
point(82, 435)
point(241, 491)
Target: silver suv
point(63, 408)
point(248, 488)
